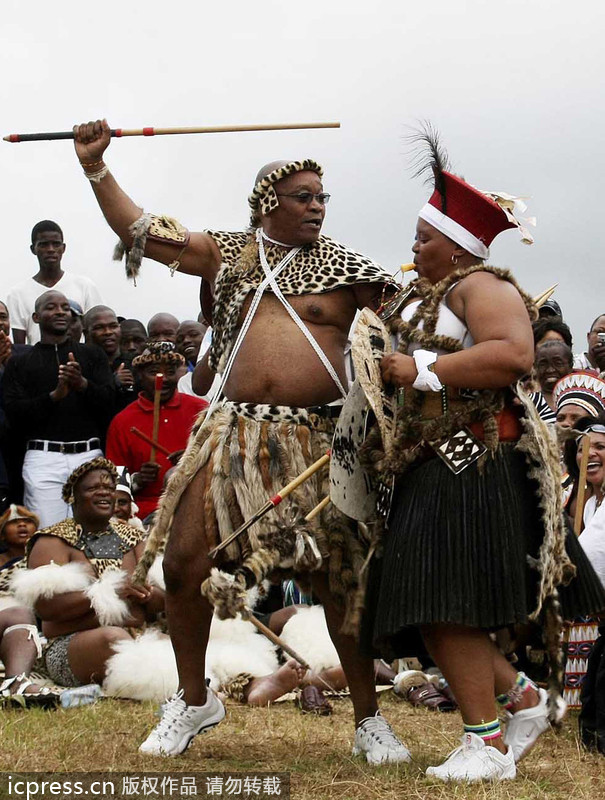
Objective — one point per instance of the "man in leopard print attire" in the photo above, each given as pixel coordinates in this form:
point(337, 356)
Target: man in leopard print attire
point(277, 417)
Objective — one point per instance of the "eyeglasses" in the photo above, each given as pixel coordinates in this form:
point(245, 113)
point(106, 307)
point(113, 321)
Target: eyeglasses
point(323, 198)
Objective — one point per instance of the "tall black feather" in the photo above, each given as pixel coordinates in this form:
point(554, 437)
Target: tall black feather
point(429, 158)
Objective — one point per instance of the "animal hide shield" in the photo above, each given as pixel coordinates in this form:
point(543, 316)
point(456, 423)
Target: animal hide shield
point(351, 488)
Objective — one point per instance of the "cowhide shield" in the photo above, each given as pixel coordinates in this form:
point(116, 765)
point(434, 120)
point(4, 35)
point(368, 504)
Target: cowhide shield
point(371, 342)
point(351, 488)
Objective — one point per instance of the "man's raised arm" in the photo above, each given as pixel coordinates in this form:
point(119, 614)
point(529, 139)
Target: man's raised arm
point(201, 256)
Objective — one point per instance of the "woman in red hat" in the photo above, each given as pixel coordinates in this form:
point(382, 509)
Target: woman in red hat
point(466, 515)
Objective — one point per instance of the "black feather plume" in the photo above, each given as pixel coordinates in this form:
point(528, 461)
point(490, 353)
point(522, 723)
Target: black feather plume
point(429, 158)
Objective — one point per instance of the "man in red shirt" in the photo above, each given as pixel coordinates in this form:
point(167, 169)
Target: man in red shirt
point(177, 415)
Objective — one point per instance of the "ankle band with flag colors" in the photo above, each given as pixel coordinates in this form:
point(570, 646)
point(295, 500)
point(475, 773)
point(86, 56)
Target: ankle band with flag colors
point(515, 693)
point(487, 730)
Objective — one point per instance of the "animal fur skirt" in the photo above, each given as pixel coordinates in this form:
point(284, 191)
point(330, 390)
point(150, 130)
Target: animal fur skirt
point(459, 549)
point(241, 458)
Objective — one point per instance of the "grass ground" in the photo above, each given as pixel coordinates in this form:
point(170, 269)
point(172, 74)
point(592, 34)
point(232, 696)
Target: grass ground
point(315, 751)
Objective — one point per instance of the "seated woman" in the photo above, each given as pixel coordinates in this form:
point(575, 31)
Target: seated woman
point(19, 639)
point(79, 580)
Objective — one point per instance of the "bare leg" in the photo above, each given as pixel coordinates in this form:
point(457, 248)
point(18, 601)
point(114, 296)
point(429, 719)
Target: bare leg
point(261, 691)
point(359, 669)
point(89, 651)
point(186, 566)
point(334, 676)
point(465, 656)
point(278, 618)
point(17, 650)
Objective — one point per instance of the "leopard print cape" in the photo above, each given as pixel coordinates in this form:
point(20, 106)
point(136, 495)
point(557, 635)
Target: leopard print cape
point(319, 267)
point(7, 571)
point(73, 534)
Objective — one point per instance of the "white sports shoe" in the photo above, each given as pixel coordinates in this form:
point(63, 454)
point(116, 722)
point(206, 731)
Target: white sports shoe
point(524, 727)
point(180, 723)
point(375, 737)
point(475, 761)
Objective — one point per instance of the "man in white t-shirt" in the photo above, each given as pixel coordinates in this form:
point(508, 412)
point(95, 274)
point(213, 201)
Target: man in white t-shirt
point(48, 247)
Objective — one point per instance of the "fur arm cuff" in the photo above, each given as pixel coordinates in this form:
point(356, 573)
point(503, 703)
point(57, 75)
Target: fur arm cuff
point(42, 583)
point(103, 595)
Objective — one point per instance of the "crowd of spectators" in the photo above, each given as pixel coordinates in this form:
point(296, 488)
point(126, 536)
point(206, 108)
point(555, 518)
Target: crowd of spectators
point(78, 382)
point(73, 385)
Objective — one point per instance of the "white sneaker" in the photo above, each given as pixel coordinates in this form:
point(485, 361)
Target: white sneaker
point(180, 723)
point(524, 727)
point(374, 737)
point(475, 761)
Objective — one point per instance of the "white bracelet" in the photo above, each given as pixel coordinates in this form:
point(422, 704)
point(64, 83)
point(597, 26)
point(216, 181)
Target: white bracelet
point(426, 380)
point(97, 177)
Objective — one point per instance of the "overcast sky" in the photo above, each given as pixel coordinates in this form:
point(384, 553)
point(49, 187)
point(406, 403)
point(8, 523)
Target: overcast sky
point(515, 88)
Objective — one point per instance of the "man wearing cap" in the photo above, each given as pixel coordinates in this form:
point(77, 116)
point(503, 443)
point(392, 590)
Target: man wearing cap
point(178, 412)
point(77, 318)
point(453, 563)
point(59, 396)
point(48, 245)
point(284, 300)
point(594, 357)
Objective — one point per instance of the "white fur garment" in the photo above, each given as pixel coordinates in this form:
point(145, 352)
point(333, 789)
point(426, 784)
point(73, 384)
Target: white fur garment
point(103, 595)
point(31, 585)
point(307, 634)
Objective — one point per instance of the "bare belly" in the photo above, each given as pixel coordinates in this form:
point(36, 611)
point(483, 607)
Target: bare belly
point(277, 365)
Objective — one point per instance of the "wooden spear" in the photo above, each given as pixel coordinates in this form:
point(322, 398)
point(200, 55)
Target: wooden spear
point(274, 501)
point(581, 496)
point(157, 395)
point(120, 132)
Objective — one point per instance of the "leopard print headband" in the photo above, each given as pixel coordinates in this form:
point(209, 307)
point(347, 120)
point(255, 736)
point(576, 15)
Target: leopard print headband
point(263, 195)
point(89, 466)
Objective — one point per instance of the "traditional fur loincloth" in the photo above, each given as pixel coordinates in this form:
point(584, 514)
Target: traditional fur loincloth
point(245, 456)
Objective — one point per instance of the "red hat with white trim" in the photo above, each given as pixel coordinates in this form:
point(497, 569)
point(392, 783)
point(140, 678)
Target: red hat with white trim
point(470, 217)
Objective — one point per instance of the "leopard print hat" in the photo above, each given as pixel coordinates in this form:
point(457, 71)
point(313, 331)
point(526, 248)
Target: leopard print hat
point(89, 466)
point(263, 196)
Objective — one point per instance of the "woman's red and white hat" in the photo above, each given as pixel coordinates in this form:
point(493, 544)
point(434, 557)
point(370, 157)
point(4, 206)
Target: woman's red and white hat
point(473, 218)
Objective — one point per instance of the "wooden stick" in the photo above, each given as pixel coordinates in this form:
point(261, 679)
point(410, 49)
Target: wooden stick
point(318, 509)
point(540, 299)
point(581, 496)
point(157, 394)
point(150, 441)
point(273, 637)
point(272, 502)
point(52, 136)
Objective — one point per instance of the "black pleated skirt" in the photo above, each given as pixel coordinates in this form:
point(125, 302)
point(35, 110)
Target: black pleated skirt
point(456, 552)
